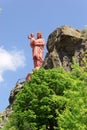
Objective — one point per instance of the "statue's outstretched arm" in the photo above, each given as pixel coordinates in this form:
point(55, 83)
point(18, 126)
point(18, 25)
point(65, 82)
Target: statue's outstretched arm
point(30, 36)
point(32, 39)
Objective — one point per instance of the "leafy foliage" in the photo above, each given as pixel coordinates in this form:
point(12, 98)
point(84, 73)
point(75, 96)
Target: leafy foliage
point(52, 100)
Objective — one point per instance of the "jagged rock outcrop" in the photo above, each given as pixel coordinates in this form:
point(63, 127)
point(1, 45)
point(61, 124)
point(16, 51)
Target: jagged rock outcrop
point(63, 44)
point(14, 91)
point(5, 115)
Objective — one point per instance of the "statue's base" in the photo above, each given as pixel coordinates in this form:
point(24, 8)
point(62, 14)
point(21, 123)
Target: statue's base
point(28, 76)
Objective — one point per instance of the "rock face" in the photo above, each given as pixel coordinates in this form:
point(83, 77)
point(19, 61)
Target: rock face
point(5, 115)
point(14, 91)
point(63, 44)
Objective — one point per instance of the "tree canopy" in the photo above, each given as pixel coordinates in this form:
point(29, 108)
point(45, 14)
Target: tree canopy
point(52, 100)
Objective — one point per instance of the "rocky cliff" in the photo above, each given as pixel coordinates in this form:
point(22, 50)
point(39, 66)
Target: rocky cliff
point(4, 115)
point(63, 44)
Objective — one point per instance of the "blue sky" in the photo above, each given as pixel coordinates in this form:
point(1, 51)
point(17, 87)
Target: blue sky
point(18, 18)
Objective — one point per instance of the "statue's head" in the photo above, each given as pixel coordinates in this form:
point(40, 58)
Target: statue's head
point(39, 35)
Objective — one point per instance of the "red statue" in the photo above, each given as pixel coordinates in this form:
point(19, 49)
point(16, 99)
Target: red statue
point(37, 46)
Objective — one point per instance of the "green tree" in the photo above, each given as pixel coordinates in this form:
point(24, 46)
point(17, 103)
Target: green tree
point(52, 100)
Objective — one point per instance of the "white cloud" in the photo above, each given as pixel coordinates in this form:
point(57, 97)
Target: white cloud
point(10, 61)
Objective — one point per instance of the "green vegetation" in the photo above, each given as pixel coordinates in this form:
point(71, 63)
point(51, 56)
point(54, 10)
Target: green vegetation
point(52, 100)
